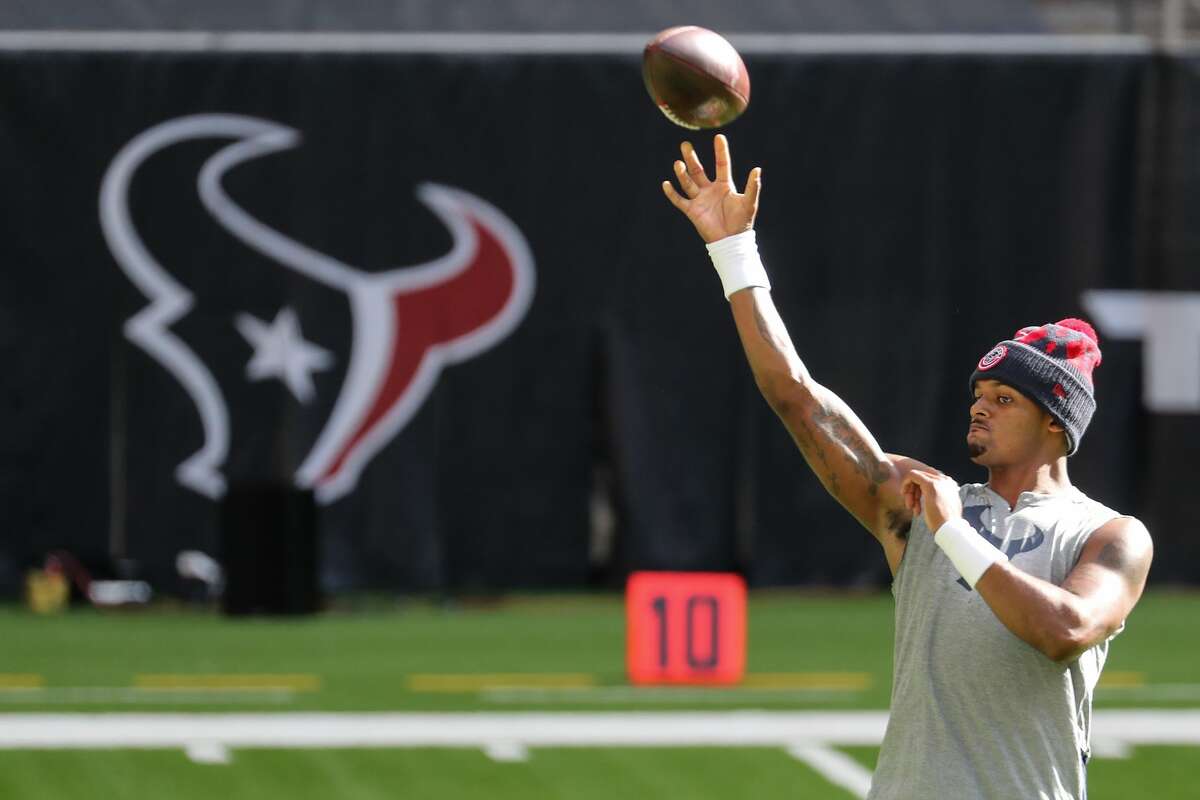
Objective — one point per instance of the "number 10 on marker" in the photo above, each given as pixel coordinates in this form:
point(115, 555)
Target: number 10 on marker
point(685, 627)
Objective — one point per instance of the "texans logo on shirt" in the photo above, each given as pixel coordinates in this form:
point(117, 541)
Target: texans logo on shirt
point(406, 324)
point(974, 515)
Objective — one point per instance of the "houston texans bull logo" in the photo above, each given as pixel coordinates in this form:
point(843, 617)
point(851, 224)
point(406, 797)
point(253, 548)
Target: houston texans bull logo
point(1033, 539)
point(407, 323)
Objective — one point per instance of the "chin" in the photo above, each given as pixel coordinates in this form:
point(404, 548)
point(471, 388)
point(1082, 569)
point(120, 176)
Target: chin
point(976, 452)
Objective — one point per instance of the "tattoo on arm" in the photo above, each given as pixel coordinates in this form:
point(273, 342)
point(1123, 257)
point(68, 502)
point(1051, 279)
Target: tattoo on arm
point(802, 432)
point(857, 448)
point(899, 523)
point(810, 446)
point(833, 441)
point(777, 342)
point(1115, 555)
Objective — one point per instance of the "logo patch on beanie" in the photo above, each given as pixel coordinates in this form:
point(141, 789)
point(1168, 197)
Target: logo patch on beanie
point(993, 357)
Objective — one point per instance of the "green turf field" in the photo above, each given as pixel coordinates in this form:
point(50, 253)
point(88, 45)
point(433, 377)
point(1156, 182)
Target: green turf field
point(550, 654)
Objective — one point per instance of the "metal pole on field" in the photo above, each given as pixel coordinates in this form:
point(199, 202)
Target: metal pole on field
point(117, 440)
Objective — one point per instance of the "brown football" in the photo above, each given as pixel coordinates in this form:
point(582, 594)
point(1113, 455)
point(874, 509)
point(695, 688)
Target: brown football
point(695, 77)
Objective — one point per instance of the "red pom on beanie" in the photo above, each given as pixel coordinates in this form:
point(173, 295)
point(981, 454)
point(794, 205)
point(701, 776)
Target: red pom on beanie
point(1080, 325)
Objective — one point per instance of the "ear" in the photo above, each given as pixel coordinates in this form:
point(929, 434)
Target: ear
point(1056, 427)
point(1051, 423)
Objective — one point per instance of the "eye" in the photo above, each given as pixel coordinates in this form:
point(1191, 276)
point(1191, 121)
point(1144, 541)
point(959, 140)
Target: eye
point(1003, 399)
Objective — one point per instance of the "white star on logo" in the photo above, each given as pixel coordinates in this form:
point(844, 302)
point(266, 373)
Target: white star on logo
point(280, 351)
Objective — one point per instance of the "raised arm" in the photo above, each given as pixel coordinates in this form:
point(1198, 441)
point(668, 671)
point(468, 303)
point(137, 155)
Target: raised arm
point(835, 443)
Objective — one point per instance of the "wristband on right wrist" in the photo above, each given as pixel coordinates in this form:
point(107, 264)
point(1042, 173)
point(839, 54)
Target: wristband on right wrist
point(737, 262)
point(969, 552)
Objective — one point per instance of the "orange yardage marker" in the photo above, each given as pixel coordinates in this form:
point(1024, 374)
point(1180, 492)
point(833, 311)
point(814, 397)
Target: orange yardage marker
point(685, 627)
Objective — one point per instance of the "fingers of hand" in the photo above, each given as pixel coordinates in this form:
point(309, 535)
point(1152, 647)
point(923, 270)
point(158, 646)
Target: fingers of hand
point(930, 478)
point(724, 162)
point(694, 168)
point(674, 197)
point(685, 180)
point(754, 186)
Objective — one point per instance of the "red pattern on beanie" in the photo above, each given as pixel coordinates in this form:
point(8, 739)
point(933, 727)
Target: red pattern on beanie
point(1080, 346)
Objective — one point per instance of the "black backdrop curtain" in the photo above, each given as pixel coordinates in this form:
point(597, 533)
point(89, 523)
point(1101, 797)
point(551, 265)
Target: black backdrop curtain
point(916, 209)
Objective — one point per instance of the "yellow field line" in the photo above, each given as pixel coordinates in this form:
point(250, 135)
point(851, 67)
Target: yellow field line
point(227, 683)
point(16, 681)
point(830, 681)
point(1111, 680)
point(482, 682)
point(834, 681)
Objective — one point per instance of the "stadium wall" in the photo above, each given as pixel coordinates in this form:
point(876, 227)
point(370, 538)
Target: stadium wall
point(234, 310)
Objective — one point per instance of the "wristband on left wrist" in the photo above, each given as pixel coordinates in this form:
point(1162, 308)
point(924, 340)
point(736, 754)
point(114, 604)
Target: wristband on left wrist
point(969, 552)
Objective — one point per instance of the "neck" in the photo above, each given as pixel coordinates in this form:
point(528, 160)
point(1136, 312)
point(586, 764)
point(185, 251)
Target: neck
point(1043, 477)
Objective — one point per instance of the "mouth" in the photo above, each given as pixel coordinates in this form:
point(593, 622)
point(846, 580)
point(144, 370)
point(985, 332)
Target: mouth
point(977, 427)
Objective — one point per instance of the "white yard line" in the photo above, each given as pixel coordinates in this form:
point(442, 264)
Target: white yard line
point(835, 767)
point(479, 730)
point(808, 736)
point(484, 730)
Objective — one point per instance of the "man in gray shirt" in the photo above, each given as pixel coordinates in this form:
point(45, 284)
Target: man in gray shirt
point(1007, 593)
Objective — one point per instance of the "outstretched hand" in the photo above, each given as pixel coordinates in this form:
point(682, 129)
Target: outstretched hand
point(933, 494)
point(715, 207)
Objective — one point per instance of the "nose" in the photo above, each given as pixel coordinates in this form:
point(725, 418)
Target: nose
point(979, 408)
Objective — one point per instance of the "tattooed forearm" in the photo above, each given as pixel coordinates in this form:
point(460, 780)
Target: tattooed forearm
point(777, 340)
point(816, 457)
point(836, 445)
point(764, 330)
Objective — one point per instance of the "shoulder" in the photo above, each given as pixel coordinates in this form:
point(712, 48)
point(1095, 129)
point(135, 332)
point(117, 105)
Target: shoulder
point(1126, 529)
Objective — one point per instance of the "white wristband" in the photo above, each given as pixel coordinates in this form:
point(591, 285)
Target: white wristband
point(737, 262)
point(969, 552)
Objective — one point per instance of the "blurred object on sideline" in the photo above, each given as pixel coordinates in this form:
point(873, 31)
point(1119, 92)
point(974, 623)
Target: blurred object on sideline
point(202, 577)
point(47, 591)
point(108, 594)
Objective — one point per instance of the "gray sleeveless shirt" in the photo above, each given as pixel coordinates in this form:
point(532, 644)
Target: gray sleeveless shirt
point(976, 712)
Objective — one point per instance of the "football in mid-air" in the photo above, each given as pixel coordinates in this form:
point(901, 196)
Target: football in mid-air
point(695, 77)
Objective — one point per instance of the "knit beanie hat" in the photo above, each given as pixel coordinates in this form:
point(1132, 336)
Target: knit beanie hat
point(1051, 364)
